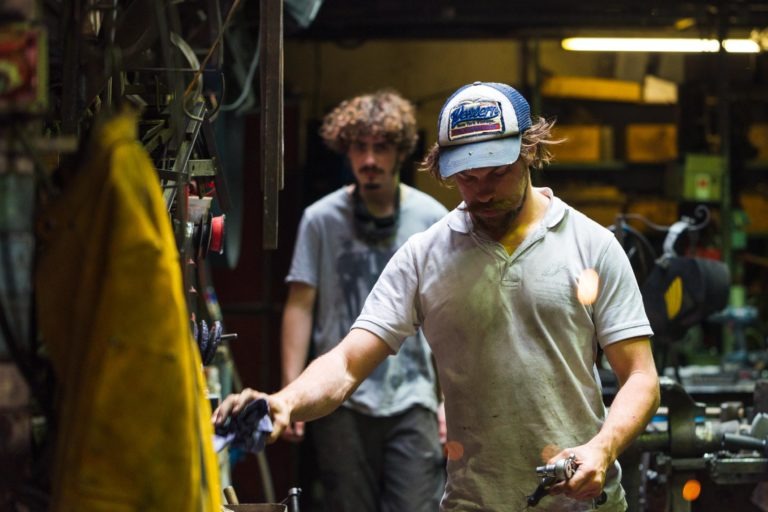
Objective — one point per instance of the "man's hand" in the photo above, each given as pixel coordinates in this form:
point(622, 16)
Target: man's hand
point(588, 480)
point(233, 404)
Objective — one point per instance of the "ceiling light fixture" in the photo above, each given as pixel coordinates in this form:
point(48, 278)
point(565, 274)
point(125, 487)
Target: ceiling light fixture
point(653, 44)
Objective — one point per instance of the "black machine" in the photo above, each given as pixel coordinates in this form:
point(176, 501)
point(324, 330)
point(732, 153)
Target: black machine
point(719, 443)
point(713, 446)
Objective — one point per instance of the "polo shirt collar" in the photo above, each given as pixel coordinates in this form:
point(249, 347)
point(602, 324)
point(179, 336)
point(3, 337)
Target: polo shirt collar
point(461, 222)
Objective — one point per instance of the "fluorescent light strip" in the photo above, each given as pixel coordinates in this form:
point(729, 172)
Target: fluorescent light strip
point(640, 44)
point(741, 46)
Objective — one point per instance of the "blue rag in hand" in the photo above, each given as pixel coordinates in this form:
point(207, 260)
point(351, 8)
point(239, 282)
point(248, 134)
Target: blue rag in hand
point(248, 431)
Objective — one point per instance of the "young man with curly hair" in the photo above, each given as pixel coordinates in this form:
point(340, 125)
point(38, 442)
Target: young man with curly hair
point(380, 451)
point(496, 286)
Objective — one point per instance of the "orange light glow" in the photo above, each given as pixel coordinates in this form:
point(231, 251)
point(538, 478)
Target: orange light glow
point(588, 284)
point(454, 450)
point(549, 451)
point(691, 490)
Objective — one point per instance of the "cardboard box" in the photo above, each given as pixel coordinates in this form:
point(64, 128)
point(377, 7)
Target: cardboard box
point(590, 192)
point(257, 507)
point(651, 142)
point(658, 90)
point(600, 203)
point(758, 137)
point(755, 205)
point(590, 88)
point(602, 213)
point(581, 143)
point(662, 212)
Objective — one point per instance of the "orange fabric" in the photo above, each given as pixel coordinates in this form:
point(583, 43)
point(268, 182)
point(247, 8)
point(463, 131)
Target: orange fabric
point(134, 430)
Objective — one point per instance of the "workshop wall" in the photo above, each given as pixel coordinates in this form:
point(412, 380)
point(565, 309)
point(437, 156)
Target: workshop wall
point(321, 74)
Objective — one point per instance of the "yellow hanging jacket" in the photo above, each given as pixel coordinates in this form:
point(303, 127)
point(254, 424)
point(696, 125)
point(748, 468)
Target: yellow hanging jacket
point(133, 427)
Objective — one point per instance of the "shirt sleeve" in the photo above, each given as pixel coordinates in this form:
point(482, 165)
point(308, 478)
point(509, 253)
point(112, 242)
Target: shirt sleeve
point(390, 311)
point(306, 262)
point(619, 313)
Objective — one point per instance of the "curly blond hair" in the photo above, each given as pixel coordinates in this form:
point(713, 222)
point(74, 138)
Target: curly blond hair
point(534, 150)
point(384, 112)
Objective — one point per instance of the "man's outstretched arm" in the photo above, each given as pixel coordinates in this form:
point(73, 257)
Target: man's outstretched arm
point(321, 388)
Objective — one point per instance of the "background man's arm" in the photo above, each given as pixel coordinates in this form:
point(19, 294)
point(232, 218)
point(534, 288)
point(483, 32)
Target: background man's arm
point(295, 339)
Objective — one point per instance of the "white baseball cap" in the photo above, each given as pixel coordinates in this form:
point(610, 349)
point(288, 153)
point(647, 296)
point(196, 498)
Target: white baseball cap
point(481, 125)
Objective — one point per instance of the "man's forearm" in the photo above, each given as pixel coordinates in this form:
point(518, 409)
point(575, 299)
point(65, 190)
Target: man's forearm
point(631, 410)
point(333, 377)
point(296, 331)
point(320, 389)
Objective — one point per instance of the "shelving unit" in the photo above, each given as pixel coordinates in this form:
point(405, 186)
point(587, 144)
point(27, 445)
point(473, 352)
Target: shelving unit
point(604, 179)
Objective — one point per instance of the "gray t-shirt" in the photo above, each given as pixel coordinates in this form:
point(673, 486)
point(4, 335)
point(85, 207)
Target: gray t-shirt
point(515, 348)
point(330, 257)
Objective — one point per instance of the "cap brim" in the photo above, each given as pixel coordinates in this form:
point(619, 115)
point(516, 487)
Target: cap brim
point(488, 153)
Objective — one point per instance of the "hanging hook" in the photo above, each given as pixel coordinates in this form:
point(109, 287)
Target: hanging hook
point(701, 212)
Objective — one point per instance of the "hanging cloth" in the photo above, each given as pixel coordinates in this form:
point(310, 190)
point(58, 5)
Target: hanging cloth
point(133, 429)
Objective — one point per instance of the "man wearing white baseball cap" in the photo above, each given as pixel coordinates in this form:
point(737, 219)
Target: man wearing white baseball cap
point(515, 291)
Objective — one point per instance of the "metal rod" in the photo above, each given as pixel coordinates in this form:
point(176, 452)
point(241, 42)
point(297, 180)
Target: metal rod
point(724, 120)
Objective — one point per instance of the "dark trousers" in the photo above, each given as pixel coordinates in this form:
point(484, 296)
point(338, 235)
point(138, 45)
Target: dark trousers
point(369, 464)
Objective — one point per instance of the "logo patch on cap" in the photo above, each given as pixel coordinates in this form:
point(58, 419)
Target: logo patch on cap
point(475, 117)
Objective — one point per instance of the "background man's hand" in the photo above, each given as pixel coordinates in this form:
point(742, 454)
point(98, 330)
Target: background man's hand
point(442, 429)
point(294, 432)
